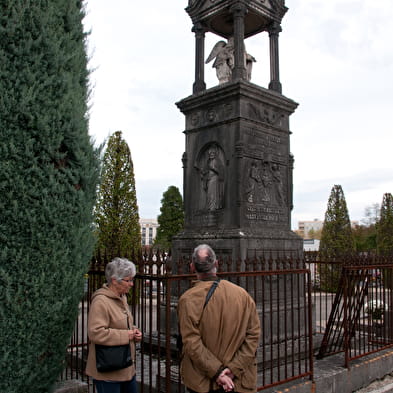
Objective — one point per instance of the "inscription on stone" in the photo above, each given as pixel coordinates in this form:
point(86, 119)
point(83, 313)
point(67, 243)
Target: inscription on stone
point(269, 214)
point(264, 146)
point(203, 219)
point(264, 140)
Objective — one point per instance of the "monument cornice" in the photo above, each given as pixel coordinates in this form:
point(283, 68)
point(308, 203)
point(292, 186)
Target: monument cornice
point(254, 123)
point(230, 90)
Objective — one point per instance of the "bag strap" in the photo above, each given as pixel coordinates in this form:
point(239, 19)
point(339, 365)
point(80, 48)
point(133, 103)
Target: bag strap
point(211, 291)
point(179, 342)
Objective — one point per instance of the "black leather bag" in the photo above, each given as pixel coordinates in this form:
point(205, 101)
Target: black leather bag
point(112, 358)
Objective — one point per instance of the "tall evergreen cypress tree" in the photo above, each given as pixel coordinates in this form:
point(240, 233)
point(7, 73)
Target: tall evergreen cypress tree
point(117, 216)
point(385, 226)
point(48, 177)
point(385, 238)
point(171, 219)
point(336, 239)
point(365, 234)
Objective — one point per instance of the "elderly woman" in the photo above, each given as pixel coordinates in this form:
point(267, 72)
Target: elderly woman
point(111, 323)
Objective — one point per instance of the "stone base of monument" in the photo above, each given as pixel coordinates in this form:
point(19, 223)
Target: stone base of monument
point(239, 244)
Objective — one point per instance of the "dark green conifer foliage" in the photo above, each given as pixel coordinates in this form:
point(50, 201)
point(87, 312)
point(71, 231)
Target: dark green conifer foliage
point(48, 177)
point(336, 239)
point(171, 219)
point(385, 226)
point(365, 238)
point(385, 238)
point(365, 234)
point(117, 215)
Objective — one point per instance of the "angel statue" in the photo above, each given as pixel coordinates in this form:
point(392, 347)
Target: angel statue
point(223, 53)
point(249, 60)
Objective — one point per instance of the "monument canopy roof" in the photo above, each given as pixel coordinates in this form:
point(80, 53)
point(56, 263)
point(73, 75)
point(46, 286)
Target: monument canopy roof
point(216, 16)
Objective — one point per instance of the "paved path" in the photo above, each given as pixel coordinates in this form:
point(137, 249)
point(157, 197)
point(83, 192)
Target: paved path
point(382, 386)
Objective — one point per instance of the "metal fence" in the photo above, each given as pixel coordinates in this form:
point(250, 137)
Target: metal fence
point(340, 305)
point(282, 293)
point(352, 304)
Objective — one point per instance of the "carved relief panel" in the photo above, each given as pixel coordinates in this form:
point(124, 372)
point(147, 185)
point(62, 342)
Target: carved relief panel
point(265, 184)
point(207, 116)
point(266, 114)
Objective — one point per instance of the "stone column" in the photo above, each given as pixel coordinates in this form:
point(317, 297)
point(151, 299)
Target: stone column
point(239, 71)
point(185, 188)
point(290, 185)
point(274, 31)
point(199, 84)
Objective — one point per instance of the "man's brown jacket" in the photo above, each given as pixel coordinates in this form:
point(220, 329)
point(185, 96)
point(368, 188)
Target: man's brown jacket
point(224, 334)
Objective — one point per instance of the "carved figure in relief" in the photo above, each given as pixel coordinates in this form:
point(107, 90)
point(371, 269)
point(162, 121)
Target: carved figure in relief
point(266, 184)
point(223, 53)
point(254, 182)
point(212, 177)
point(278, 185)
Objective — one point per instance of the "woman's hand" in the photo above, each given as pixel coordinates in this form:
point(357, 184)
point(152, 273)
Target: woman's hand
point(135, 334)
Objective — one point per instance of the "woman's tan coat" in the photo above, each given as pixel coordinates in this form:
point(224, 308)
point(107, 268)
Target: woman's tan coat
point(224, 334)
point(107, 325)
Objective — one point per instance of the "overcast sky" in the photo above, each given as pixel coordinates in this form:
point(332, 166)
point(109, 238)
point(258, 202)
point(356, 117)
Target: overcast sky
point(336, 61)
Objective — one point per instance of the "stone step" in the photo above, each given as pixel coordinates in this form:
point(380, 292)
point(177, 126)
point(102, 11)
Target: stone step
point(71, 386)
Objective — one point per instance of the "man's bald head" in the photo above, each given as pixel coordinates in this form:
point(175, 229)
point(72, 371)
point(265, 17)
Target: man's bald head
point(204, 259)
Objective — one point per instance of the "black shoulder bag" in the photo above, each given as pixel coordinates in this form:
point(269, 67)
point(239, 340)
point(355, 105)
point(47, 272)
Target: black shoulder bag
point(113, 357)
point(179, 342)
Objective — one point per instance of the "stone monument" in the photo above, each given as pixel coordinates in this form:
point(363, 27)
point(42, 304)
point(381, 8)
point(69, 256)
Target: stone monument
point(237, 162)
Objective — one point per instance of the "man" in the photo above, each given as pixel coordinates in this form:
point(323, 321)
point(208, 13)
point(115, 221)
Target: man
point(219, 340)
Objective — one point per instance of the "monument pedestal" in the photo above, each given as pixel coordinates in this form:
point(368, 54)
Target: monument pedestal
point(238, 172)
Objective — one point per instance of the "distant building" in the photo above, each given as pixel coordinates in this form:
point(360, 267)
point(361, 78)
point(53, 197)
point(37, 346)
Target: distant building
point(148, 231)
point(304, 227)
point(311, 244)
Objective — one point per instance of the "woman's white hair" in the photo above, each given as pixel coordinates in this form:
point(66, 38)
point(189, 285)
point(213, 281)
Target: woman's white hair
point(119, 268)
